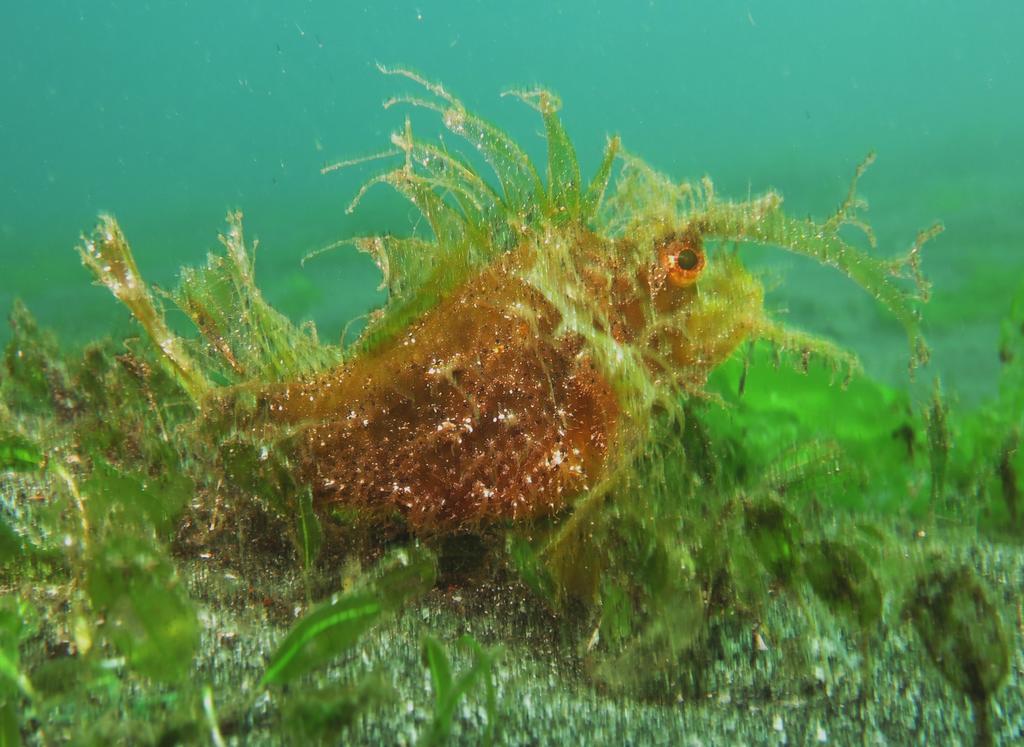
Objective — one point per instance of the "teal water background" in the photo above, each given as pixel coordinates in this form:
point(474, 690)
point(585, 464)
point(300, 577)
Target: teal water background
point(168, 114)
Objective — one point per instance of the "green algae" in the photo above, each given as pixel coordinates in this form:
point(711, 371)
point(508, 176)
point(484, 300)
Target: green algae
point(18, 454)
point(727, 497)
point(449, 690)
point(334, 626)
point(962, 631)
point(841, 577)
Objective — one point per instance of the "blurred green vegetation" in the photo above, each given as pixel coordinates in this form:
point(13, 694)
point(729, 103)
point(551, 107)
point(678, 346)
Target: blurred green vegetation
point(781, 480)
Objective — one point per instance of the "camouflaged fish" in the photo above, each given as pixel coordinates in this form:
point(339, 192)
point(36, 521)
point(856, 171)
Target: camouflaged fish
point(525, 342)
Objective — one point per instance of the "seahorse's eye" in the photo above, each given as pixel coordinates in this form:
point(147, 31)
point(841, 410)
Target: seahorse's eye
point(682, 259)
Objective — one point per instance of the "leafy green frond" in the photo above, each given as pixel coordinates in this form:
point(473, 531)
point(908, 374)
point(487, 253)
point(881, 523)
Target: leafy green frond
point(446, 180)
point(442, 164)
point(250, 339)
point(449, 690)
point(244, 337)
point(338, 165)
point(472, 222)
point(763, 222)
point(841, 362)
point(644, 196)
point(335, 626)
point(519, 180)
point(468, 220)
point(563, 203)
point(107, 254)
point(595, 192)
point(415, 271)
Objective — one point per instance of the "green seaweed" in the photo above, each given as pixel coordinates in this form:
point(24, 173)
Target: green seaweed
point(243, 338)
point(324, 633)
point(774, 534)
point(530, 568)
point(321, 715)
point(842, 578)
point(449, 689)
point(15, 616)
point(334, 626)
point(309, 535)
point(120, 501)
point(938, 443)
point(11, 545)
point(16, 688)
point(964, 637)
point(985, 464)
point(34, 376)
point(19, 454)
point(146, 614)
point(129, 579)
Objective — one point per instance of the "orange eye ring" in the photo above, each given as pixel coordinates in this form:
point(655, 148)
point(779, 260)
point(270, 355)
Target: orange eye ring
point(682, 259)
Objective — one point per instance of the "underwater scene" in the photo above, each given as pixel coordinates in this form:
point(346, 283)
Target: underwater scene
point(421, 373)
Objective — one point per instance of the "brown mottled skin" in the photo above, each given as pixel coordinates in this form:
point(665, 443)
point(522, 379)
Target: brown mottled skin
point(483, 410)
point(474, 414)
